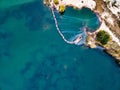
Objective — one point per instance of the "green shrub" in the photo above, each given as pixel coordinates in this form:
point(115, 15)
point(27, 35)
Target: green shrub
point(62, 8)
point(103, 37)
point(47, 2)
point(56, 1)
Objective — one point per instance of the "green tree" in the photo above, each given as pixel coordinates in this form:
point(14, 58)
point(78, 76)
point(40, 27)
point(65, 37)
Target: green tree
point(103, 37)
point(62, 8)
point(56, 1)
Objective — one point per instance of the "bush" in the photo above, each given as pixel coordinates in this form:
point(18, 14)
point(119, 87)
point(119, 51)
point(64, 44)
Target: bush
point(62, 8)
point(103, 37)
point(47, 2)
point(56, 1)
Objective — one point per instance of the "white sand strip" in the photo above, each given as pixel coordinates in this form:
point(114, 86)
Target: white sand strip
point(80, 3)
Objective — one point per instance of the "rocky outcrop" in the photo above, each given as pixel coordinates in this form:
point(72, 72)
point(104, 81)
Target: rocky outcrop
point(114, 50)
point(111, 21)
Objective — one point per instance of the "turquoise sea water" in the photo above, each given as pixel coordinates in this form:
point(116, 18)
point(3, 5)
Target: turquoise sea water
point(76, 19)
point(74, 23)
point(33, 56)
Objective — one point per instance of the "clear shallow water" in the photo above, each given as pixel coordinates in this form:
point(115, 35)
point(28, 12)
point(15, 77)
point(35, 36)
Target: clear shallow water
point(73, 22)
point(34, 57)
point(79, 18)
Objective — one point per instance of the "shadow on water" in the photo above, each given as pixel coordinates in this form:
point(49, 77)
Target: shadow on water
point(5, 43)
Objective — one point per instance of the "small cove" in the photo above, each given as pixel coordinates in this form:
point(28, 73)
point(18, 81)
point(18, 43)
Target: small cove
point(33, 57)
point(73, 22)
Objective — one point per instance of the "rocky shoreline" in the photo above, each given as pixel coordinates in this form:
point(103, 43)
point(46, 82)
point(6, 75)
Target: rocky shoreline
point(112, 47)
point(110, 23)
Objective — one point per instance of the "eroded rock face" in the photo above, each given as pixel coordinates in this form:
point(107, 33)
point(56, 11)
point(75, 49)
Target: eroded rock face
point(108, 6)
point(112, 20)
point(113, 6)
point(110, 14)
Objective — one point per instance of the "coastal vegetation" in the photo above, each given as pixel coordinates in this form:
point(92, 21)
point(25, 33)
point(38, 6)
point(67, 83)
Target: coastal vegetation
point(47, 2)
point(62, 8)
point(103, 37)
point(56, 2)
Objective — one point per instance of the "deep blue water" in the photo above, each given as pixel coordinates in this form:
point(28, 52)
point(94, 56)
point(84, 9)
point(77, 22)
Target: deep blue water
point(33, 56)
